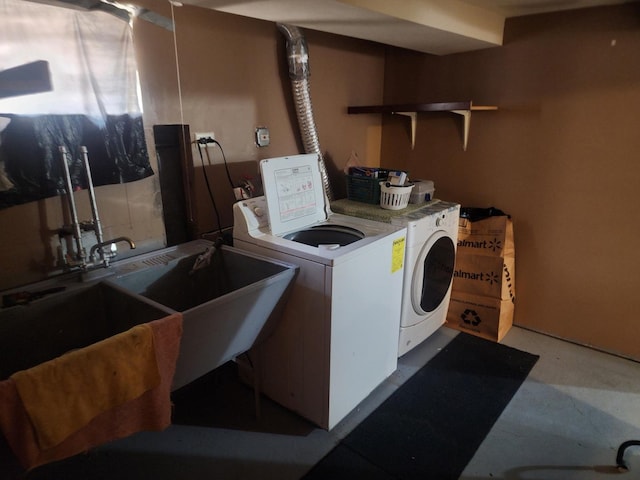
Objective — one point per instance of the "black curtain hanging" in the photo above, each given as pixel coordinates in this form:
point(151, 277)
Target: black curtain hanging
point(29, 151)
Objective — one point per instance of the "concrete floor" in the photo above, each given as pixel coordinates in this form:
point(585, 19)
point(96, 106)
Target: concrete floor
point(566, 422)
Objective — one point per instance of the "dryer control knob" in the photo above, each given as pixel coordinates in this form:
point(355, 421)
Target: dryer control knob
point(439, 221)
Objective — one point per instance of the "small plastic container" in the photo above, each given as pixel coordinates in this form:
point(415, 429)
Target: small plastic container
point(394, 197)
point(422, 192)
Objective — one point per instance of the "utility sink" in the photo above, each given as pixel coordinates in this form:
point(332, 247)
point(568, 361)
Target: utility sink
point(47, 328)
point(227, 305)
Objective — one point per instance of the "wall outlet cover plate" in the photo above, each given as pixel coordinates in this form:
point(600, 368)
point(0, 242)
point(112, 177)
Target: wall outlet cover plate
point(262, 136)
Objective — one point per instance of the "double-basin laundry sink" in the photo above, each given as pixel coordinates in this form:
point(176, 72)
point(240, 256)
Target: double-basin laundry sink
point(229, 301)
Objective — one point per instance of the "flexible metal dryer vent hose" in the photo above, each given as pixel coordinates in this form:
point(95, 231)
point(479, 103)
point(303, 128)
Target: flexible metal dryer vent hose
point(298, 59)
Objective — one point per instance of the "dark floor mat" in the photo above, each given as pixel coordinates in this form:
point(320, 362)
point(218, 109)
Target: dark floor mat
point(433, 424)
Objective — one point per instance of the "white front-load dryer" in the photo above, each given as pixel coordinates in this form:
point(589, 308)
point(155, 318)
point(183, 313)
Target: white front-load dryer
point(432, 234)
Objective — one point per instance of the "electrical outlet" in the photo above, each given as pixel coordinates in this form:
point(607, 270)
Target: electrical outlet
point(262, 136)
point(205, 135)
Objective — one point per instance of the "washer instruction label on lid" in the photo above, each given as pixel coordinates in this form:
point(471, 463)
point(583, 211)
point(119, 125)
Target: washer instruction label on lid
point(296, 197)
point(397, 254)
point(292, 187)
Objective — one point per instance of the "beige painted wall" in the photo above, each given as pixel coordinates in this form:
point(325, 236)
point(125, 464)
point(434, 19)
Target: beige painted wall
point(232, 78)
point(560, 155)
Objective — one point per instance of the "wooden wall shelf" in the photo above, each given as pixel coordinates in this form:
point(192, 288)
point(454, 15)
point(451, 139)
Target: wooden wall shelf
point(411, 110)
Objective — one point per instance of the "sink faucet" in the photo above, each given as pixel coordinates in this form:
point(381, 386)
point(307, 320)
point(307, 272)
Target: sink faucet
point(106, 256)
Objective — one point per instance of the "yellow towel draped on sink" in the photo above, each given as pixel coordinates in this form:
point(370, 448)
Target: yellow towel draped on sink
point(63, 395)
point(151, 411)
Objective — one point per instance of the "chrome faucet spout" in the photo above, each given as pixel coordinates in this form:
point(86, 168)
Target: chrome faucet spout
point(101, 245)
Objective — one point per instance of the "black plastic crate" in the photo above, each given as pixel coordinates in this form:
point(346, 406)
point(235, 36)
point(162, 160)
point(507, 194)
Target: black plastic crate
point(363, 189)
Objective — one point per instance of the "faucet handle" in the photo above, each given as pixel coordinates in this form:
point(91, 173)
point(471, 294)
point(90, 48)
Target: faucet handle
point(113, 250)
point(112, 247)
point(102, 250)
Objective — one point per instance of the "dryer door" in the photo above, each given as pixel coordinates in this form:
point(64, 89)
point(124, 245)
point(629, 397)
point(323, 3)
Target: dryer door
point(432, 273)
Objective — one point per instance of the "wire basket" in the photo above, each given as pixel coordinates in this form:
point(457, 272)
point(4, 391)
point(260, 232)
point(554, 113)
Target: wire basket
point(394, 197)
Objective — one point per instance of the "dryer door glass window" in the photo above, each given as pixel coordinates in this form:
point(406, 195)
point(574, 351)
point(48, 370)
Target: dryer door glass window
point(437, 273)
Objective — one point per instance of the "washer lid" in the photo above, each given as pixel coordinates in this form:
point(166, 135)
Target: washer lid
point(294, 192)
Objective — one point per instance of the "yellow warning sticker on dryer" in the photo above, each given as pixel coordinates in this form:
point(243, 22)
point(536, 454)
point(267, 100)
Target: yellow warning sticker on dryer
point(397, 255)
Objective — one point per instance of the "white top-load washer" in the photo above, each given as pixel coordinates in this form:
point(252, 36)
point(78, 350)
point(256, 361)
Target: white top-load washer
point(337, 338)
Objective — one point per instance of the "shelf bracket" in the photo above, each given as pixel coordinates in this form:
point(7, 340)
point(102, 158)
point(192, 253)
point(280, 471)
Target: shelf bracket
point(411, 110)
point(466, 114)
point(467, 120)
point(413, 116)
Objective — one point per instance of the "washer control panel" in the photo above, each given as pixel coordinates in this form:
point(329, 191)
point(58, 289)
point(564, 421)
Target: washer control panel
point(252, 212)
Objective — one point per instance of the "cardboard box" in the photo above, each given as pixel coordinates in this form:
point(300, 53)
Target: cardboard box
point(483, 292)
point(491, 236)
point(484, 275)
point(486, 317)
